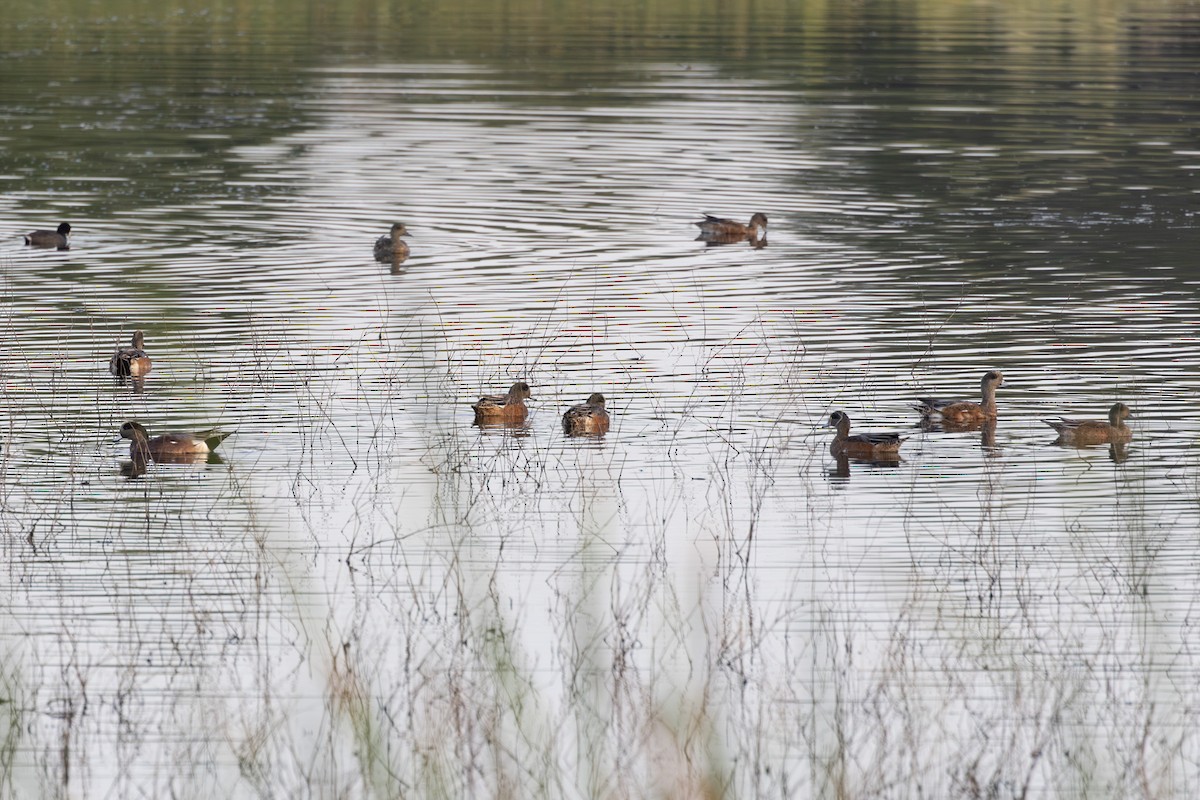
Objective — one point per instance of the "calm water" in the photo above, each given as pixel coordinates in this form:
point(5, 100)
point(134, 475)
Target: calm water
point(368, 596)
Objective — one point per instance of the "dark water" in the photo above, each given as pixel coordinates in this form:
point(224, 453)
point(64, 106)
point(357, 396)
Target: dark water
point(368, 596)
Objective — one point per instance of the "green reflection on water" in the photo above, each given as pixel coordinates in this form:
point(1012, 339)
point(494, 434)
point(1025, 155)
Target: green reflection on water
point(134, 102)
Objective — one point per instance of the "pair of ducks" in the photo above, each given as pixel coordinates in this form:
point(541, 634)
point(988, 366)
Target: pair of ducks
point(717, 229)
point(132, 362)
point(589, 418)
point(963, 414)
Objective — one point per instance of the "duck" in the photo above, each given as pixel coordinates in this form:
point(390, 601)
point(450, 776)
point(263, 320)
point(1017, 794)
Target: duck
point(717, 227)
point(964, 412)
point(861, 445)
point(130, 361)
point(1090, 431)
point(392, 248)
point(503, 408)
point(57, 238)
point(588, 418)
point(169, 446)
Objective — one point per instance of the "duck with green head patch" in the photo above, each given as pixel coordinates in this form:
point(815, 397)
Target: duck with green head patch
point(860, 445)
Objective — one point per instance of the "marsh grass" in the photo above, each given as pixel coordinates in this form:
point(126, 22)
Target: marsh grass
point(688, 607)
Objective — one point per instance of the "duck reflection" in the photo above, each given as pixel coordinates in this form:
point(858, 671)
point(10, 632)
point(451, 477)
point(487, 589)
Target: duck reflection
point(841, 467)
point(985, 428)
point(721, 239)
point(519, 429)
point(134, 469)
point(138, 385)
point(138, 464)
point(397, 262)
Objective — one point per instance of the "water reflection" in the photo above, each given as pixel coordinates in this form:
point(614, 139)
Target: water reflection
point(397, 264)
point(985, 428)
point(883, 461)
point(517, 428)
point(137, 385)
point(717, 240)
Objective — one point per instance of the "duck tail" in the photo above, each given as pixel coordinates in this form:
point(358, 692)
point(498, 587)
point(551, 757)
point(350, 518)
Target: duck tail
point(214, 438)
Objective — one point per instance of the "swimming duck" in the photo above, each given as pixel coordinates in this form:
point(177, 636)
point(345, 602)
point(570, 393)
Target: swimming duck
point(57, 238)
point(504, 407)
point(392, 248)
point(1090, 431)
point(130, 361)
point(860, 445)
point(587, 418)
point(964, 412)
point(718, 227)
point(170, 446)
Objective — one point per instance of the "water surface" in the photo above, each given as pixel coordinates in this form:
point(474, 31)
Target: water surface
point(368, 596)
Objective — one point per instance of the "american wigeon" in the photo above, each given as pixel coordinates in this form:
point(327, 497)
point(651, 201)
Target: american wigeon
point(589, 418)
point(719, 227)
point(58, 238)
point(130, 361)
point(964, 412)
point(503, 408)
point(169, 446)
point(392, 248)
point(1089, 431)
point(860, 445)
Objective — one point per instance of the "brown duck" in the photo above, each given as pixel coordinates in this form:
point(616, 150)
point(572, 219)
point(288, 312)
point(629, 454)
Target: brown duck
point(169, 447)
point(130, 361)
point(586, 419)
point(964, 412)
point(1082, 432)
point(503, 408)
point(392, 248)
point(717, 227)
point(860, 445)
